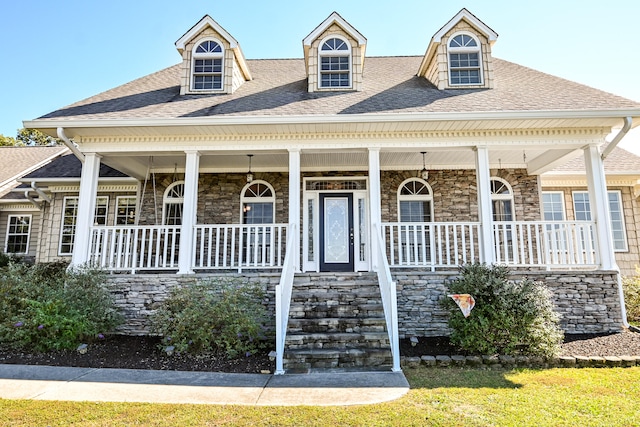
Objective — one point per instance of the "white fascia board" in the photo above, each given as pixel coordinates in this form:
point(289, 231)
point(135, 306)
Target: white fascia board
point(491, 35)
point(204, 22)
point(337, 19)
point(334, 118)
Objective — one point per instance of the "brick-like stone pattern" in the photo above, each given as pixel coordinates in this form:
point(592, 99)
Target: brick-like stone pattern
point(588, 302)
point(138, 296)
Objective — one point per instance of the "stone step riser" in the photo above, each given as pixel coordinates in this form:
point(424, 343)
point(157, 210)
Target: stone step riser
point(350, 359)
point(324, 312)
point(346, 325)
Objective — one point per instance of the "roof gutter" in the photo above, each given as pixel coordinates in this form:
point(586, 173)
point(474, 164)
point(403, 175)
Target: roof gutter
point(72, 146)
point(628, 121)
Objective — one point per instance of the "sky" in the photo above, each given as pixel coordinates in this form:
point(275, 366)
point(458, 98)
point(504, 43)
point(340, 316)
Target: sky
point(55, 53)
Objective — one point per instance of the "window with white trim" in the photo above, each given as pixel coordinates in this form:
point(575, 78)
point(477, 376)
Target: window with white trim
point(126, 207)
point(18, 233)
point(335, 63)
point(415, 201)
point(465, 63)
point(70, 216)
point(208, 61)
point(582, 212)
point(501, 200)
point(172, 204)
point(553, 206)
point(258, 202)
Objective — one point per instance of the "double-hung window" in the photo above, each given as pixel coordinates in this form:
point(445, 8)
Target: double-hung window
point(582, 211)
point(207, 66)
point(126, 207)
point(69, 219)
point(465, 64)
point(18, 233)
point(335, 64)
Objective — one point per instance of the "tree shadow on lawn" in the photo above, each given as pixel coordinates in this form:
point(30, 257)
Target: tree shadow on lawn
point(458, 378)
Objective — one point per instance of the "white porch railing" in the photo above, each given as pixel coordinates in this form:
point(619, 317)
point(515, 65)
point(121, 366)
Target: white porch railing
point(389, 299)
point(283, 300)
point(220, 246)
point(237, 246)
point(431, 244)
point(544, 244)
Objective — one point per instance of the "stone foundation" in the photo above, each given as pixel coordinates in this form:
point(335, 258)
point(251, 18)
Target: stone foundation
point(588, 302)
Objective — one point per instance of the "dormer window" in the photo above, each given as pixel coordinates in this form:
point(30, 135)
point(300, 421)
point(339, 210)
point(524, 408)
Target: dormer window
point(335, 63)
point(465, 67)
point(207, 66)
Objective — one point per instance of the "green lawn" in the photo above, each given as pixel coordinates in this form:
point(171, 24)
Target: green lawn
point(440, 397)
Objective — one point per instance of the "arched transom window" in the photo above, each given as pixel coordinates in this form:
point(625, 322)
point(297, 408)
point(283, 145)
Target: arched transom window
point(258, 202)
point(335, 63)
point(501, 200)
point(207, 66)
point(172, 203)
point(415, 201)
point(465, 62)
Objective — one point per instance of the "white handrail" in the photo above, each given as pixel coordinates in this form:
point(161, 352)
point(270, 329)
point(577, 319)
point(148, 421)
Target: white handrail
point(389, 299)
point(283, 299)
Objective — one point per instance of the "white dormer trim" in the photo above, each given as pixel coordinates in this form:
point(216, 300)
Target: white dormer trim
point(206, 21)
point(334, 18)
point(491, 35)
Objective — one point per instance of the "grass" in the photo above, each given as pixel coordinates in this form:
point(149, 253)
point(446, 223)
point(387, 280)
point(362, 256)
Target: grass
point(438, 397)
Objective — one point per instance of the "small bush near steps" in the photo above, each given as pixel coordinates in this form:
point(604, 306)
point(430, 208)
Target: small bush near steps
point(224, 316)
point(510, 317)
point(46, 307)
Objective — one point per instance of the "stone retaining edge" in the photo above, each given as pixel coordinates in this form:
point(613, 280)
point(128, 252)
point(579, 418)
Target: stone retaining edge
point(509, 362)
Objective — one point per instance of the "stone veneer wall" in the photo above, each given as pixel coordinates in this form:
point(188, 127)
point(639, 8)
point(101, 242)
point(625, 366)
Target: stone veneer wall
point(588, 302)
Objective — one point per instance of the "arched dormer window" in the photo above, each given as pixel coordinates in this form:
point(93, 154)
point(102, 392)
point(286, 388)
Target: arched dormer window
point(501, 200)
point(208, 67)
point(258, 202)
point(172, 203)
point(465, 62)
point(415, 201)
point(335, 63)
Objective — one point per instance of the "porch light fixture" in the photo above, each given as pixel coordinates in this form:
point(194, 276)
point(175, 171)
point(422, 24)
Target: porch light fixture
point(249, 174)
point(424, 173)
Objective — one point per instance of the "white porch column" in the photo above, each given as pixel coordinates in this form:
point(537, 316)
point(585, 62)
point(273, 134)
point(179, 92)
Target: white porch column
point(294, 202)
point(485, 212)
point(190, 207)
point(375, 211)
point(599, 203)
point(86, 208)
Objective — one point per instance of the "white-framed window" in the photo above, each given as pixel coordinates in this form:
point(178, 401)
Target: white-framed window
point(126, 208)
point(335, 63)
point(552, 206)
point(501, 200)
point(172, 204)
point(70, 216)
point(465, 60)
point(18, 233)
point(258, 203)
point(207, 66)
point(582, 212)
point(415, 201)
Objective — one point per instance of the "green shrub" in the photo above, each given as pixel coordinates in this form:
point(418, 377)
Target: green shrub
point(45, 307)
point(213, 316)
point(509, 317)
point(631, 290)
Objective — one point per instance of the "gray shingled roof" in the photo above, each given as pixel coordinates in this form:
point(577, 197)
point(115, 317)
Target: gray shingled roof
point(619, 161)
point(68, 166)
point(16, 161)
point(390, 85)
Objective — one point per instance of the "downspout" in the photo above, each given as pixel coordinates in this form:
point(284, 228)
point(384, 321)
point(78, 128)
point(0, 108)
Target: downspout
point(628, 121)
point(32, 200)
point(73, 147)
point(40, 192)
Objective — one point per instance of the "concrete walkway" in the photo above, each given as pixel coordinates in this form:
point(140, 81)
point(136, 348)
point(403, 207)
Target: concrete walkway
point(130, 385)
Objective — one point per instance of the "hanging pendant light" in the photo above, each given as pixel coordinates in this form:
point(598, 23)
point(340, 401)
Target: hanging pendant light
point(249, 174)
point(424, 173)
